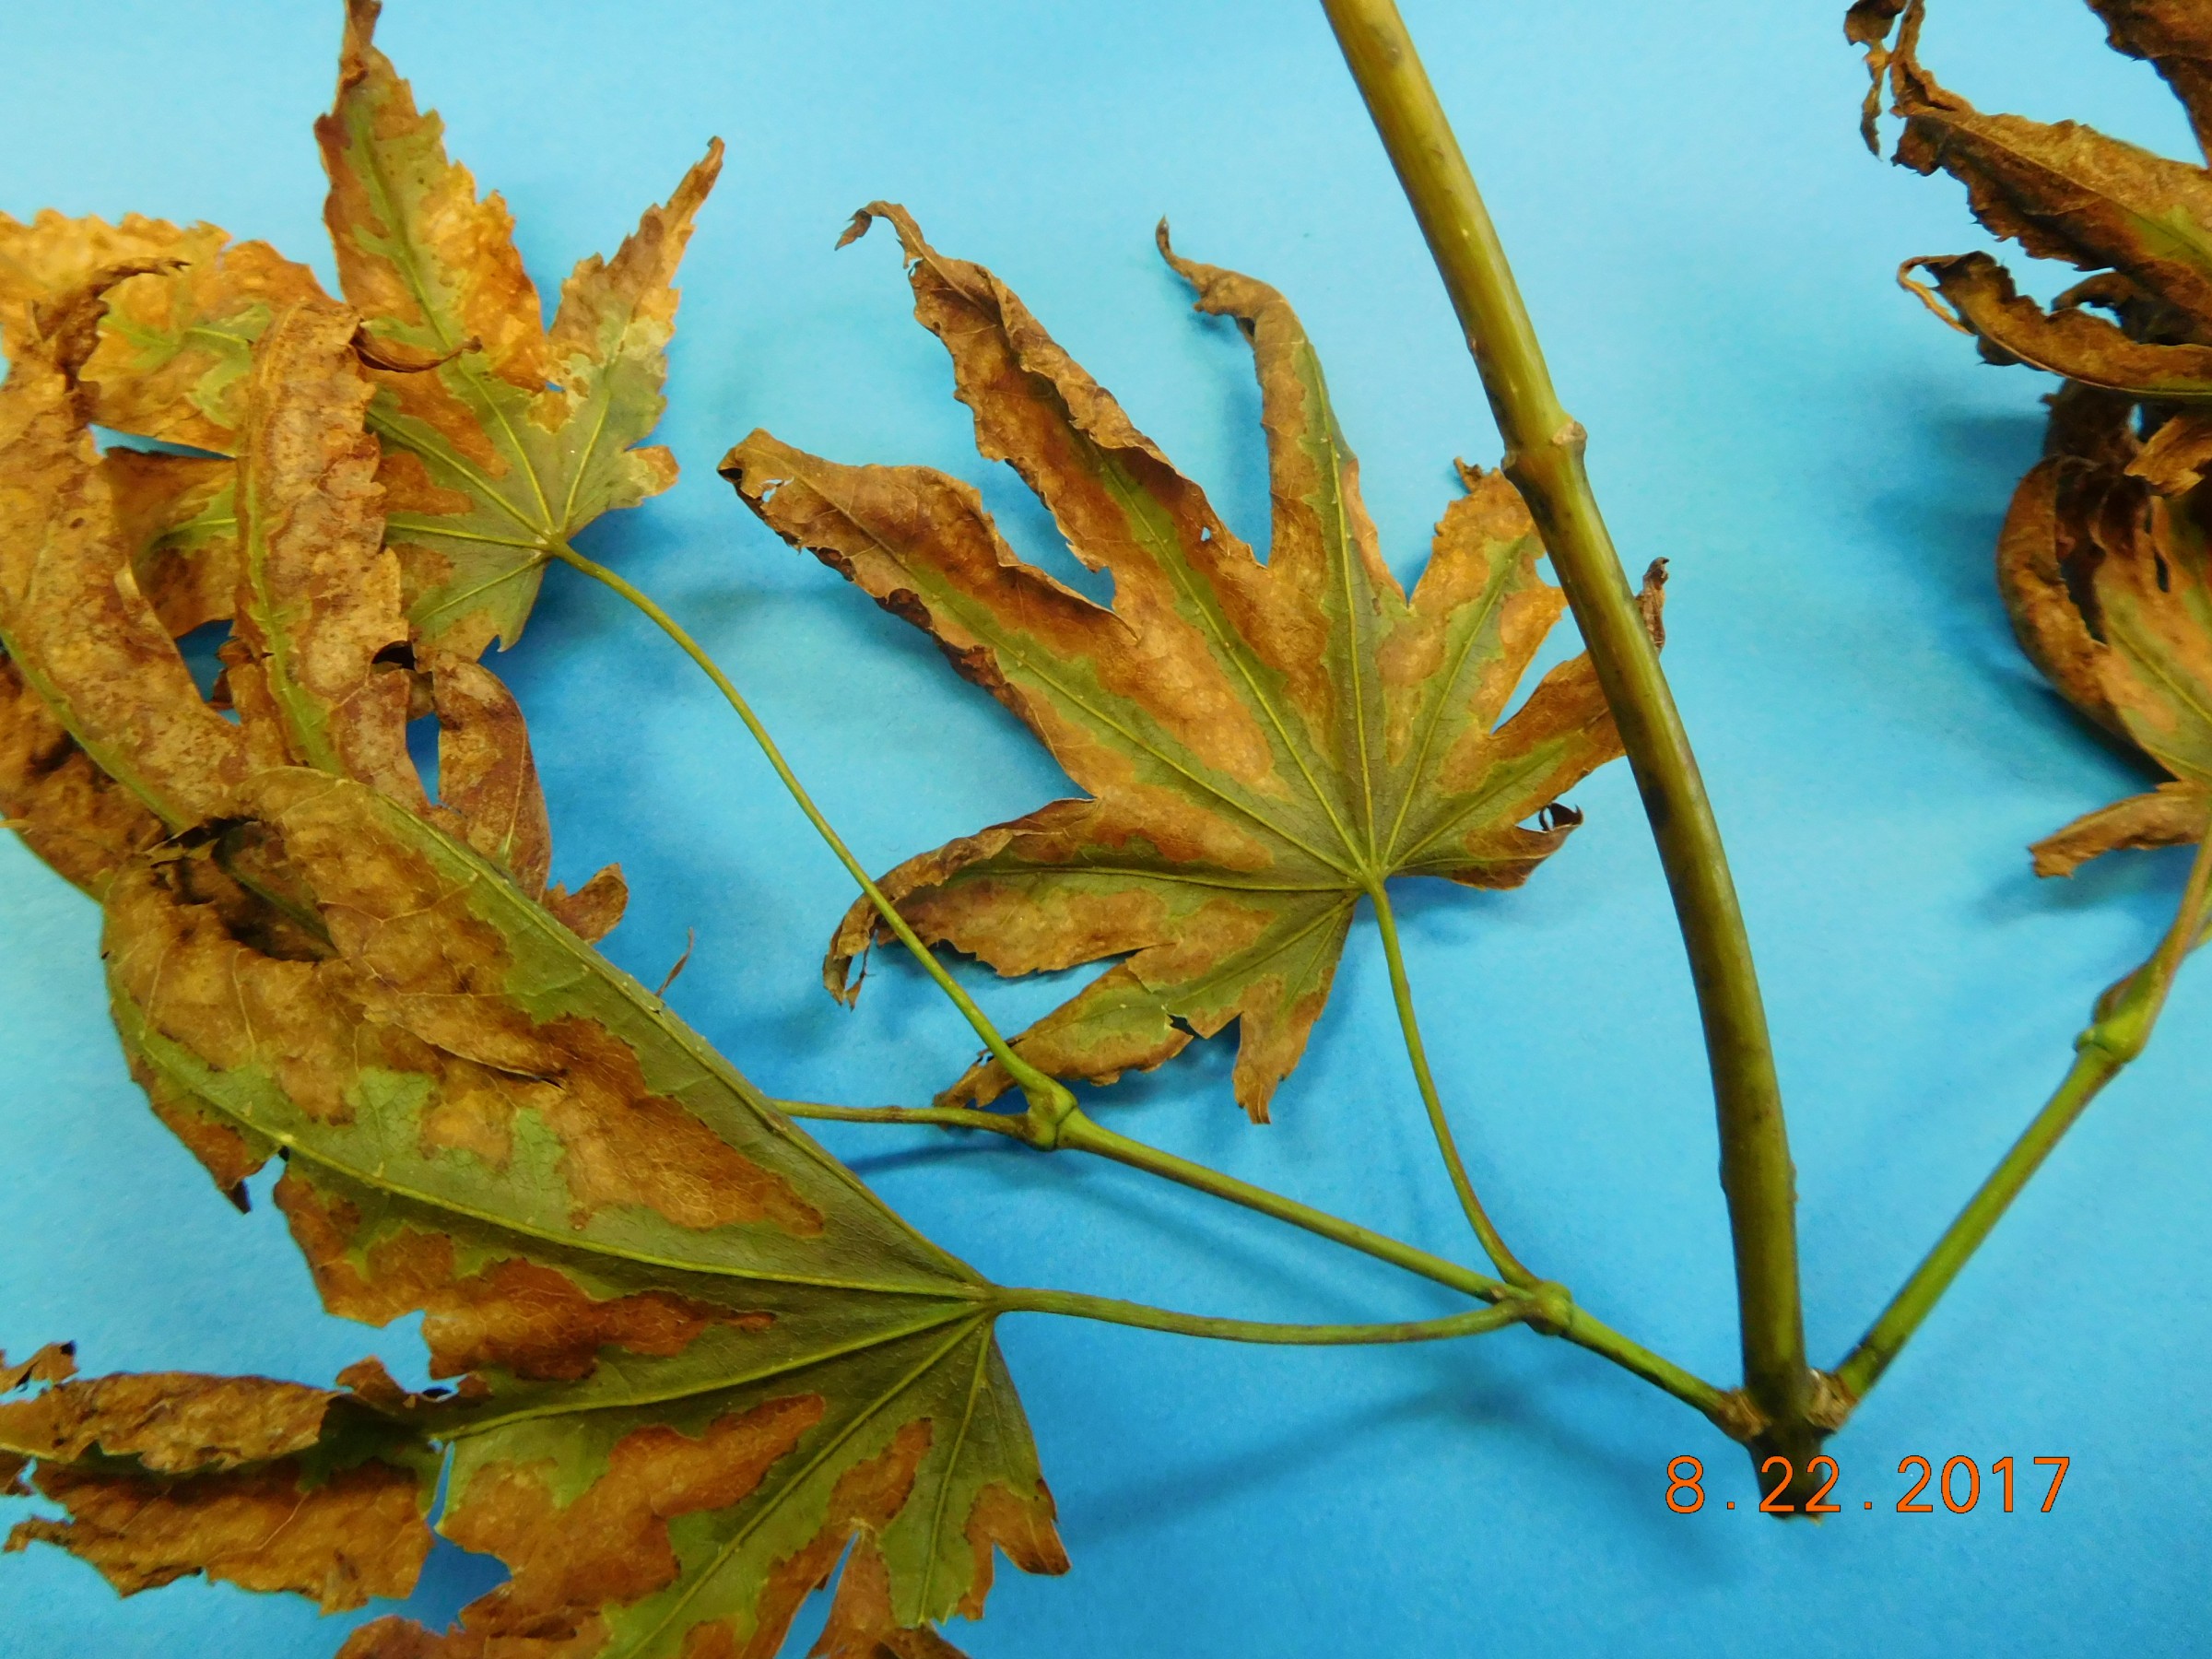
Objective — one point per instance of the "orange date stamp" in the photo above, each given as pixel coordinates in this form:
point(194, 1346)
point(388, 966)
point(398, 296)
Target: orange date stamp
point(1960, 1486)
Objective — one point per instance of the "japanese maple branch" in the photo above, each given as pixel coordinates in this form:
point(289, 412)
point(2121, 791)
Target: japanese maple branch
point(2121, 1028)
point(1041, 1090)
point(1546, 1307)
point(1401, 991)
point(1544, 458)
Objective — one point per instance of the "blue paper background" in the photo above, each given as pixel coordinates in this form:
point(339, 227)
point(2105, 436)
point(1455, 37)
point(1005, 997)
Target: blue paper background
point(1708, 253)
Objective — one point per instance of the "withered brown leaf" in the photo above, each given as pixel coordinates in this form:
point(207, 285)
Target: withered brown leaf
point(2110, 592)
point(2103, 560)
point(1262, 743)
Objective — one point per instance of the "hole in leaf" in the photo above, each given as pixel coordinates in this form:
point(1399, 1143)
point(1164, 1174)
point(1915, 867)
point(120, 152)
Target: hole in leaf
point(198, 649)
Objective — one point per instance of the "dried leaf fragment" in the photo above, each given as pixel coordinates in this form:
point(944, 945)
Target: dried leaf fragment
point(267, 1485)
point(2067, 341)
point(591, 912)
point(2174, 815)
point(56, 1363)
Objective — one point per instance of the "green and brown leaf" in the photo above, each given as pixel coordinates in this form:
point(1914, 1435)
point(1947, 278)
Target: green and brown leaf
point(696, 1357)
point(176, 336)
point(1262, 743)
point(503, 438)
point(2102, 561)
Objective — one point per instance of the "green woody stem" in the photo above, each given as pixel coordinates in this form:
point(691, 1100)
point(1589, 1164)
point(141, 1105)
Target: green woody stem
point(1544, 458)
point(2125, 1016)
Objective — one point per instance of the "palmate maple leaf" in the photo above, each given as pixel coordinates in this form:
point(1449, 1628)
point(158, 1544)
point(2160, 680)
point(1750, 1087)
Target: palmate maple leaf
point(515, 436)
point(699, 1357)
point(1263, 744)
point(501, 439)
point(2103, 559)
point(696, 1363)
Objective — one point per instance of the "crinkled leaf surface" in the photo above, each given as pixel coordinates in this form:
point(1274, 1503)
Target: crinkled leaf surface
point(2067, 340)
point(2111, 593)
point(175, 340)
point(2175, 36)
point(76, 625)
point(1261, 743)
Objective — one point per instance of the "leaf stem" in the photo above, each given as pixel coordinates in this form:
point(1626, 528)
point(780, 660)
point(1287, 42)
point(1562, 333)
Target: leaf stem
point(1041, 1089)
point(1401, 989)
point(1109, 1311)
point(941, 1117)
point(2124, 1018)
point(1544, 458)
point(1546, 1307)
point(1086, 1134)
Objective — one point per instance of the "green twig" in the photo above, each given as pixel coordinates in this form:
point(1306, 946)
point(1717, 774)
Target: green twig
point(1401, 991)
point(1544, 458)
point(1041, 1089)
point(2124, 1018)
point(1113, 1312)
